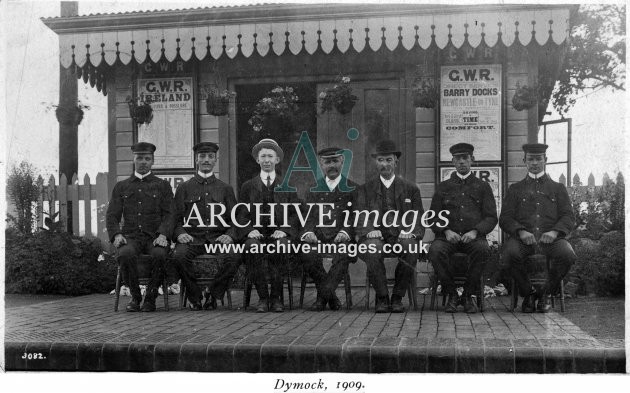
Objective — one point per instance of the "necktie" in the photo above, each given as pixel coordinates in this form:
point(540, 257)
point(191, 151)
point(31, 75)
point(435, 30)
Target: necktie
point(268, 181)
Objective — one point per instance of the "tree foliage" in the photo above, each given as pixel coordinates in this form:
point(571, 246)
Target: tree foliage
point(596, 54)
point(22, 191)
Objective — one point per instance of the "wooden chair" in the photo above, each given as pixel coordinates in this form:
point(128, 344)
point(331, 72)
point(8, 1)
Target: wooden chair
point(346, 282)
point(249, 284)
point(461, 262)
point(144, 263)
point(412, 290)
point(538, 280)
point(208, 265)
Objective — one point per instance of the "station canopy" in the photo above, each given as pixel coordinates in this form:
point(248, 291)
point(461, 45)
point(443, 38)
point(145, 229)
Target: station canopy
point(94, 42)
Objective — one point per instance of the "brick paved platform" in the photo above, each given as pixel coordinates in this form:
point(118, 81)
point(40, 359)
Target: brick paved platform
point(86, 334)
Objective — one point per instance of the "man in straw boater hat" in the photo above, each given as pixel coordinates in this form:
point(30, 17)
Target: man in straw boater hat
point(330, 230)
point(537, 214)
point(472, 215)
point(144, 202)
point(267, 228)
point(195, 200)
point(389, 193)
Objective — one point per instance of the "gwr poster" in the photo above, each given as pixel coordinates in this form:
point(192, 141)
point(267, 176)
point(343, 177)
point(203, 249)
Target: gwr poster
point(470, 110)
point(171, 129)
point(492, 176)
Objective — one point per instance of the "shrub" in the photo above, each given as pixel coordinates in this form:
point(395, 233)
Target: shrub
point(600, 267)
point(22, 191)
point(56, 263)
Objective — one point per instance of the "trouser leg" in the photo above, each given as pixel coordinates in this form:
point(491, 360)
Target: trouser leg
point(225, 275)
point(128, 257)
point(158, 255)
point(312, 263)
point(478, 251)
point(183, 256)
point(337, 272)
point(405, 268)
point(514, 255)
point(562, 258)
point(440, 256)
point(278, 263)
point(255, 263)
point(376, 267)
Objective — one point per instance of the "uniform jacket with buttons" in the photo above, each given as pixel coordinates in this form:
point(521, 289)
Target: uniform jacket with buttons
point(145, 206)
point(537, 206)
point(202, 193)
point(252, 192)
point(340, 200)
point(407, 198)
point(470, 204)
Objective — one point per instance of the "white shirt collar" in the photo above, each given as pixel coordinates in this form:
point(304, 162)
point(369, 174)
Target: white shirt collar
point(264, 175)
point(463, 176)
point(538, 176)
point(387, 183)
point(332, 184)
point(205, 175)
point(139, 176)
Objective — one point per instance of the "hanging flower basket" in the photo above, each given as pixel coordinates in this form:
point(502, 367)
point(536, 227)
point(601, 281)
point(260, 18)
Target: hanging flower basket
point(279, 105)
point(425, 94)
point(218, 102)
point(70, 115)
point(141, 112)
point(525, 97)
point(339, 96)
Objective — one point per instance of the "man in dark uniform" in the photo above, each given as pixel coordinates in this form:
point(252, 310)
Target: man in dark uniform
point(261, 189)
point(538, 215)
point(331, 161)
point(472, 215)
point(144, 202)
point(389, 192)
point(195, 202)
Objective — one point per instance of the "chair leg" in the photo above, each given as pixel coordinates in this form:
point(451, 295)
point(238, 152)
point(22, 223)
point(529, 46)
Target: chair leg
point(367, 291)
point(514, 296)
point(248, 293)
point(562, 295)
point(302, 288)
point(481, 298)
point(228, 293)
point(434, 284)
point(348, 286)
point(182, 297)
point(290, 288)
point(117, 291)
point(413, 299)
point(165, 290)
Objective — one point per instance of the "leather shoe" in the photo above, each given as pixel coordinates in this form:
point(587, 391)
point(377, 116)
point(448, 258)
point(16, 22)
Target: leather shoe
point(196, 306)
point(528, 304)
point(470, 305)
point(451, 304)
point(319, 305)
point(382, 305)
point(210, 302)
point(262, 306)
point(544, 304)
point(133, 306)
point(396, 304)
point(277, 306)
point(147, 306)
point(334, 303)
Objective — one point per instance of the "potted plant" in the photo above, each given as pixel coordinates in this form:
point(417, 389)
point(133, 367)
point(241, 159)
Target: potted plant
point(525, 97)
point(280, 104)
point(339, 96)
point(425, 93)
point(218, 101)
point(140, 111)
point(72, 115)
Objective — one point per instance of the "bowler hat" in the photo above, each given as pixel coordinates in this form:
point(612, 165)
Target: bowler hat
point(143, 148)
point(329, 152)
point(267, 143)
point(206, 147)
point(535, 148)
point(385, 147)
point(462, 148)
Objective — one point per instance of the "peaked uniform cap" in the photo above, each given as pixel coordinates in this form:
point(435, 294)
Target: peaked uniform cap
point(329, 152)
point(462, 148)
point(206, 147)
point(535, 148)
point(143, 148)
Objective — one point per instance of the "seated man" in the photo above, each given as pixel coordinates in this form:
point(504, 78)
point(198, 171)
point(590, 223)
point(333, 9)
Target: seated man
point(537, 215)
point(261, 230)
point(386, 193)
point(332, 231)
point(193, 228)
point(472, 215)
point(144, 202)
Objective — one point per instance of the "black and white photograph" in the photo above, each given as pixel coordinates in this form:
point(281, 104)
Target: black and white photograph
point(313, 196)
